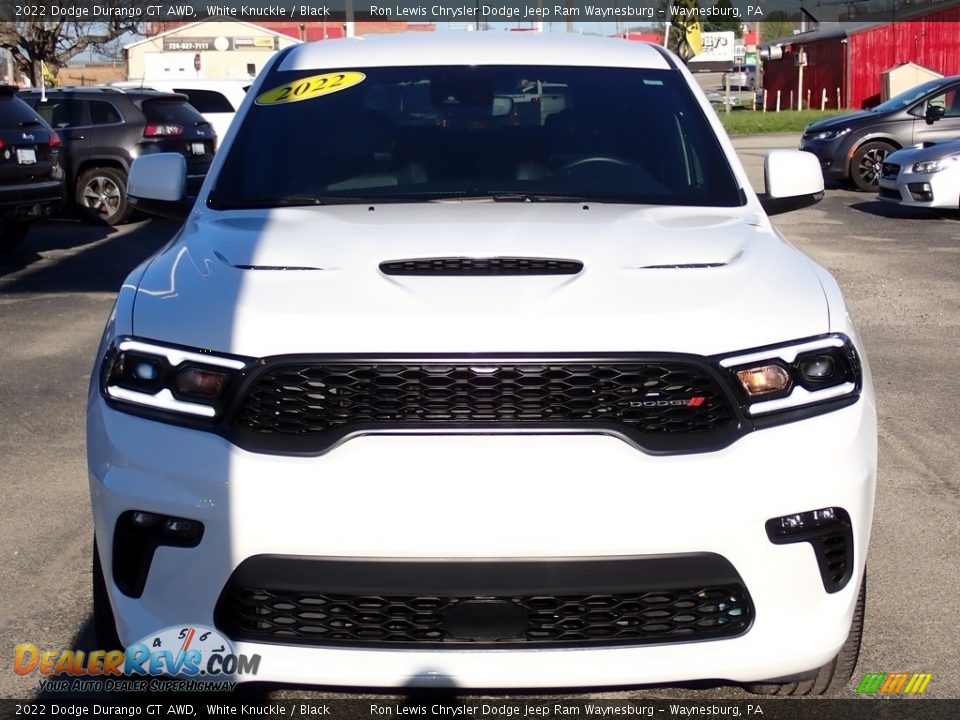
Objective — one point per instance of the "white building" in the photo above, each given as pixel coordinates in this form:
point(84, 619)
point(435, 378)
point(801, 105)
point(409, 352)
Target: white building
point(205, 50)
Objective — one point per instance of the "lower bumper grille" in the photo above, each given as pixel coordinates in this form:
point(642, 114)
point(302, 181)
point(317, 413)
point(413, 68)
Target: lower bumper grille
point(646, 613)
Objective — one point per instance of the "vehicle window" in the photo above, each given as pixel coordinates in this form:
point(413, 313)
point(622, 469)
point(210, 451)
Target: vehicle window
point(172, 111)
point(427, 133)
point(207, 100)
point(61, 112)
point(949, 101)
point(908, 97)
point(14, 112)
point(103, 113)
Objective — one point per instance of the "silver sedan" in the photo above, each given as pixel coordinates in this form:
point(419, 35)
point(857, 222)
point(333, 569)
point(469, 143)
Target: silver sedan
point(923, 176)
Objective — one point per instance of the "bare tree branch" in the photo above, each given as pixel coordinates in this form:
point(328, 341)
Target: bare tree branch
point(55, 43)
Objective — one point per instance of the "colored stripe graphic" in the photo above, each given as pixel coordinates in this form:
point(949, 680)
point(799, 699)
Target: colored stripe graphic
point(918, 683)
point(894, 683)
point(871, 683)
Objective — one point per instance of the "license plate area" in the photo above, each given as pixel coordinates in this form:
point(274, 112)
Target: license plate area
point(26, 156)
point(198, 148)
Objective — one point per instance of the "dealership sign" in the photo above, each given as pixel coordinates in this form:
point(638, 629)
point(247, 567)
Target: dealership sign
point(202, 44)
point(717, 53)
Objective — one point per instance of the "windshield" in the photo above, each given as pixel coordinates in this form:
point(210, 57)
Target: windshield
point(409, 134)
point(908, 97)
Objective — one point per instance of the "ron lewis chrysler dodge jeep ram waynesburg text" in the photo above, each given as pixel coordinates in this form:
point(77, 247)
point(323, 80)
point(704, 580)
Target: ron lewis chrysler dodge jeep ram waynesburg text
point(440, 385)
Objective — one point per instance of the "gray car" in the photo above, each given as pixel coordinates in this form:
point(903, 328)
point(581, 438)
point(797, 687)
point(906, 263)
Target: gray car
point(852, 147)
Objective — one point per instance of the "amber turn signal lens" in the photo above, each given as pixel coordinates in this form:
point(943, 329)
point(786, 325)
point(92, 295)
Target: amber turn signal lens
point(764, 380)
point(195, 381)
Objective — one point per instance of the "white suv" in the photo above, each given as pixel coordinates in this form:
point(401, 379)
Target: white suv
point(426, 391)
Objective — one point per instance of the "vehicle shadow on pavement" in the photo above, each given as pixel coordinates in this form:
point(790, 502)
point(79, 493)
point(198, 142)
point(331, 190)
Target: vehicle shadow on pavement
point(897, 212)
point(70, 256)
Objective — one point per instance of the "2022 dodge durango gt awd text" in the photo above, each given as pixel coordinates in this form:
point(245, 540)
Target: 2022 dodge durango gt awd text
point(429, 391)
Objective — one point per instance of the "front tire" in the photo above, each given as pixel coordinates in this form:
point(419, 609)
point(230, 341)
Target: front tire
point(865, 165)
point(101, 195)
point(835, 674)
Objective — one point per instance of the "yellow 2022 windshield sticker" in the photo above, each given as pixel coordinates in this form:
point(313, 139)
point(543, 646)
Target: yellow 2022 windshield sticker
point(311, 87)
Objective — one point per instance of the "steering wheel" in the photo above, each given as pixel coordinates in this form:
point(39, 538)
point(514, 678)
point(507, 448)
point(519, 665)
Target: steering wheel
point(595, 159)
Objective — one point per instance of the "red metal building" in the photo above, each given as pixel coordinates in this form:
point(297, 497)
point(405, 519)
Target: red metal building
point(848, 58)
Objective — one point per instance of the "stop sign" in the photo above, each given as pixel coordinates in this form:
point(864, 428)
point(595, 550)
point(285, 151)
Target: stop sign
point(196, 62)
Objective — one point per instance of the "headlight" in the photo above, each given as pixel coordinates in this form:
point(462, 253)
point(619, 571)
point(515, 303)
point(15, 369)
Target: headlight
point(932, 166)
point(831, 134)
point(177, 381)
point(820, 372)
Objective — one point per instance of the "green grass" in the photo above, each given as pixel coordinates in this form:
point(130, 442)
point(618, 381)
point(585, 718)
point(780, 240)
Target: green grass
point(753, 122)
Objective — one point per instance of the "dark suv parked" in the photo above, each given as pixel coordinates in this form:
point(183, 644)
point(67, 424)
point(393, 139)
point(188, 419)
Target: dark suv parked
point(852, 147)
point(104, 129)
point(31, 181)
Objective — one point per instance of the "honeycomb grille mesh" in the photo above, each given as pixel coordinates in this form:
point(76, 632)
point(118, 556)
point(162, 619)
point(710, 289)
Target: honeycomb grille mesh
point(643, 617)
point(646, 397)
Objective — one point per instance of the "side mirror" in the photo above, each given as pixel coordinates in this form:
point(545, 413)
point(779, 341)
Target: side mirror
point(157, 185)
point(934, 113)
point(793, 180)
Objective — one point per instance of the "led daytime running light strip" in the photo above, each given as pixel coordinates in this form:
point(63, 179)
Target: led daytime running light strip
point(163, 400)
point(787, 353)
point(801, 396)
point(176, 357)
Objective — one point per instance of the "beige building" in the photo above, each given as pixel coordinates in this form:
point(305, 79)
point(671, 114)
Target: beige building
point(210, 50)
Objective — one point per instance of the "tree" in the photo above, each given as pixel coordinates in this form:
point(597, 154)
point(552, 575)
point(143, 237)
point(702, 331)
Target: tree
point(56, 42)
point(776, 26)
point(724, 22)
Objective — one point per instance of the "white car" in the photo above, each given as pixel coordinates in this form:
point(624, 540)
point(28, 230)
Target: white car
point(925, 176)
point(425, 393)
point(741, 77)
point(216, 100)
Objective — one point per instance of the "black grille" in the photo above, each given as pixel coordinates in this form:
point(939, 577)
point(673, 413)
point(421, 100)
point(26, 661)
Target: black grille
point(649, 399)
point(889, 171)
point(629, 618)
point(889, 193)
point(481, 266)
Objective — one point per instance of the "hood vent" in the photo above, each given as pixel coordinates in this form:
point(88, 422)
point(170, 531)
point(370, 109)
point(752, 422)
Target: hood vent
point(684, 266)
point(274, 267)
point(445, 266)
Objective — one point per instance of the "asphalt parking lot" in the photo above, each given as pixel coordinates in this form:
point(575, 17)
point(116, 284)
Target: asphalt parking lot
point(900, 273)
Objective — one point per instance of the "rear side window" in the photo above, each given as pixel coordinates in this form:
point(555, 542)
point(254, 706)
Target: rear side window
point(103, 113)
point(207, 100)
point(15, 113)
point(172, 111)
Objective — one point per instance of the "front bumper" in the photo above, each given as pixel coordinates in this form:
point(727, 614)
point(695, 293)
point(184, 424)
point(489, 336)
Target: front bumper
point(508, 497)
point(940, 190)
point(833, 156)
point(34, 199)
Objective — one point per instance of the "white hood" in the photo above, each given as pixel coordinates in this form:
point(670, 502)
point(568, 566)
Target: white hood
point(625, 299)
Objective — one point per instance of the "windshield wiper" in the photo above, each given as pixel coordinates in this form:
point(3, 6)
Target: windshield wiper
point(313, 200)
point(30, 123)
